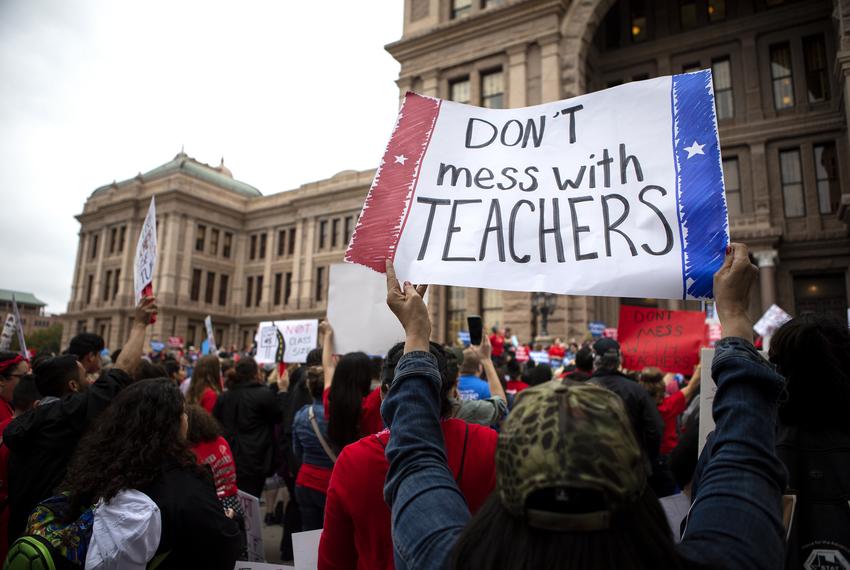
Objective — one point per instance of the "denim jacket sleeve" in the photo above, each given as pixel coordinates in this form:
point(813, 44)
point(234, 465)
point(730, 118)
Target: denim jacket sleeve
point(735, 520)
point(428, 510)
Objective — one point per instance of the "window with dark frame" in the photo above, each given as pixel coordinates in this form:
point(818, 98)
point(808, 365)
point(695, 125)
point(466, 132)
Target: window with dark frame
point(228, 242)
point(115, 284)
point(460, 8)
point(455, 312)
point(249, 291)
point(459, 90)
point(638, 21)
point(817, 71)
point(278, 288)
point(732, 180)
point(113, 239)
point(200, 235)
point(348, 229)
point(263, 237)
point(290, 249)
point(791, 173)
point(89, 289)
point(781, 76)
point(287, 287)
point(320, 283)
point(323, 233)
point(252, 248)
point(826, 174)
point(122, 239)
point(493, 90)
point(219, 337)
point(687, 14)
point(195, 291)
point(94, 245)
point(107, 286)
point(334, 233)
point(214, 241)
point(716, 10)
point(259, 298)
point(209, 292)
point(281, 242)
point(222, 289)
point(721, 72)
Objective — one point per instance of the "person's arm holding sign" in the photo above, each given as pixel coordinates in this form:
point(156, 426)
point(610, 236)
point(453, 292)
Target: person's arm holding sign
point(419, 480)
point(735, 520)
point(485, 351)
point(326, 334)
point(131, 352)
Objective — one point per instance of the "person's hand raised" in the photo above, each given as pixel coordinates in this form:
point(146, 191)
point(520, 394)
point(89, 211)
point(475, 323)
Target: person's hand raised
point(732, 285)
point(144, 311)
point(407, 305)
point(485, 349)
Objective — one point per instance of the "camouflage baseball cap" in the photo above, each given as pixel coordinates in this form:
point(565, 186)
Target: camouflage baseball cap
point(568, 439)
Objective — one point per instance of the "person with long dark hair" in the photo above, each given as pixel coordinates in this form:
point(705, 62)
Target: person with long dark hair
point(139, 443)
point(358, 411)
point(571, 487)
point(311, 446)
point(812, 351)
point(205, 384)
point(248, 412)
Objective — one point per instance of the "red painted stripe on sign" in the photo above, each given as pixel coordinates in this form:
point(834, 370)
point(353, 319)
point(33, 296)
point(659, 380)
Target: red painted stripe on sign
point(388, 204)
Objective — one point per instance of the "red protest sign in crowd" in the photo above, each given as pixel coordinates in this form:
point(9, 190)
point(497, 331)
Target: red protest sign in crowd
point(669, 340)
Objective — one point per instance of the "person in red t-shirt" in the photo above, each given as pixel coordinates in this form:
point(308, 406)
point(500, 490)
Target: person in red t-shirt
point(497, 341)
point(356, 534)
point(515, 384)
point(355, 378)
point(556, 353)
point(205, 384)
point(670, 408)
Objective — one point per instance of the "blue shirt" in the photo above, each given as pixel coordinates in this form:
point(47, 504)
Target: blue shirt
point(305, 444)
point(473, 388)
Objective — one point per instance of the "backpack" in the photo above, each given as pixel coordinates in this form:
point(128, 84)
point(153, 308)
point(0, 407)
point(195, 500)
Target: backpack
point(819, 481)
point(50, 543)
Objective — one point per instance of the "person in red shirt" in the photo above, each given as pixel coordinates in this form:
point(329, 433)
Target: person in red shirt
point(670, 408)
point(355, 377)
point(497, 341)
point(515, 385)
point(556, 353)
point(13, 366)
point(205, 384)
point(356, 534)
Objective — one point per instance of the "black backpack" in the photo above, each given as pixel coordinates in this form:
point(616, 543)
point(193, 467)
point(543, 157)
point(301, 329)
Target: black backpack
point(818, 466)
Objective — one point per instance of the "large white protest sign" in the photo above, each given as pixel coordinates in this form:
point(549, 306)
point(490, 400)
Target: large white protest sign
point(253, 526)
point(358, 312)
point(297, 337)
point(145, 260)
point(617, 193)
point(9, 328)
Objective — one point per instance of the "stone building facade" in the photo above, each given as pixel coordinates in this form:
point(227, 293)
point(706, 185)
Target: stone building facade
point(782, 79)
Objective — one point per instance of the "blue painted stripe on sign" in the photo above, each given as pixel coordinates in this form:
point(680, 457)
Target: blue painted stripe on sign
point(703, 221)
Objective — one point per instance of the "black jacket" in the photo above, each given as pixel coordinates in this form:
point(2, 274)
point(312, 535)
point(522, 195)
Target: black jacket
point(195, 531)
point(248, 413)
point(642, 410)
point(42, 441)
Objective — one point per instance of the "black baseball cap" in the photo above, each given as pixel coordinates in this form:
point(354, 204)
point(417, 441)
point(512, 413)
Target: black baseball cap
point(606, 345)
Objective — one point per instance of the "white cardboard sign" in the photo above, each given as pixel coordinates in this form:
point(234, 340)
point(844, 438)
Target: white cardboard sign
point(613, 193)
point(771, 320)
point(299, 338)
point(358, 312)
point(305, 548)
point(145, 260)
point(253, 527)
point(9, 329)
point(210, 336)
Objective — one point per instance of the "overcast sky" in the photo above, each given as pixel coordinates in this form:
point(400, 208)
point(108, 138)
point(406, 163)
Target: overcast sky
point(91, 91)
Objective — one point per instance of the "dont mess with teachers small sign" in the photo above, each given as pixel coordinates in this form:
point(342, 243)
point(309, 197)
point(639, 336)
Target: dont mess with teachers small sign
point(614, 193)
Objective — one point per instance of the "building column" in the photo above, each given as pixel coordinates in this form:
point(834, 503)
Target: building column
point(550, 68)
point(431, 84)
point(268, 286)
point(306, 297)
point(517, 76)
point(98, 272)
point(128, 258)
point(75, 284)
point(295, 294)
point(169, 288)
point(767, 276)
point(405, 84)
point(761, 192)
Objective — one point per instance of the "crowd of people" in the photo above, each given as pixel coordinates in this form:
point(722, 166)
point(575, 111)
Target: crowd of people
point(433, 456)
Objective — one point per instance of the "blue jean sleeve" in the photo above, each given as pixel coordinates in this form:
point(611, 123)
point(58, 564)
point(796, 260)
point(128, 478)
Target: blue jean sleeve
point(428, 510)
point(735, 520)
